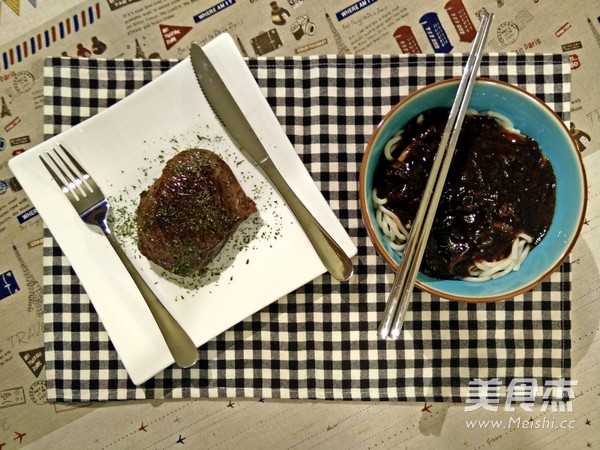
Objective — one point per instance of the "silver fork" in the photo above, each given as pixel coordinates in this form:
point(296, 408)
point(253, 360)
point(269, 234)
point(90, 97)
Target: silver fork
point(92, 206)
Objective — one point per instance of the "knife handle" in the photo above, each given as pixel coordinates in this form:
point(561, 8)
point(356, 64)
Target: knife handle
point(333, 257)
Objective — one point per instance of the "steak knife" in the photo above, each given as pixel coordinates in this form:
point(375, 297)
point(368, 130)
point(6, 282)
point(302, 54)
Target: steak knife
point(237, 126)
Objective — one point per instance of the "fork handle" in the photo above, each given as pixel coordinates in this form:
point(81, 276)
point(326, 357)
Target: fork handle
point(181, 346)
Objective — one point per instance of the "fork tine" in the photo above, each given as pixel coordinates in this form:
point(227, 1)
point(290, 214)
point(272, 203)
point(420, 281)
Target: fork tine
point(73, 181)
point(59, 180)
point(83, 175)
point(77, 172)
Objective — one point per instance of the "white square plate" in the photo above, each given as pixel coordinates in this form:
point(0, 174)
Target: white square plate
point(124, 149)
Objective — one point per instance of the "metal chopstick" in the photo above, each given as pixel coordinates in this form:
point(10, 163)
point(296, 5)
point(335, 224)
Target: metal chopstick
point(398, 300)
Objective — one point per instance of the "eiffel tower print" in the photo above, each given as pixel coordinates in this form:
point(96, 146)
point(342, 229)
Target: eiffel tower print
point(241, 46)
point(36, 293)
point(594, 31)
point(139, 53)
point(342, 49)
point(5, 111)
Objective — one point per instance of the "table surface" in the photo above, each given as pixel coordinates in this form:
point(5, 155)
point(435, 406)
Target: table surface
point(31, 31)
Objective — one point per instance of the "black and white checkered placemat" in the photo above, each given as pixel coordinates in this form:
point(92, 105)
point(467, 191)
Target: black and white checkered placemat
point(314, 342)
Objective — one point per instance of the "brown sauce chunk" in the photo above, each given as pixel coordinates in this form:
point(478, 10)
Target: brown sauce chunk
point(499, 185)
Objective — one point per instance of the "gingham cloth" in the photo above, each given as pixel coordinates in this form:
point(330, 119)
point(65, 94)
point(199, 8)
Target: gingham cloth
point(313, 343)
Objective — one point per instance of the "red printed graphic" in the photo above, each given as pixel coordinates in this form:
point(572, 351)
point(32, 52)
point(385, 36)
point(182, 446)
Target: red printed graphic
point(19, 437)
point(562, 29)
point(575, 63)
point(172, 34)
point(12, 124)
point(406, 40)
point(461, 20)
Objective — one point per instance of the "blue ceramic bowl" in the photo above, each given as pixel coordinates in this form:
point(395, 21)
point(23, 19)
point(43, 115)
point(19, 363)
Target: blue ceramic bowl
point(533, 118)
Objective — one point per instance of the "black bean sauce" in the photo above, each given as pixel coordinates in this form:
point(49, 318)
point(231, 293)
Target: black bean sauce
point(499, 184)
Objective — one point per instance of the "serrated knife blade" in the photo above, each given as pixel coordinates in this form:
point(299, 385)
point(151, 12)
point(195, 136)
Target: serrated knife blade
point(337, 263)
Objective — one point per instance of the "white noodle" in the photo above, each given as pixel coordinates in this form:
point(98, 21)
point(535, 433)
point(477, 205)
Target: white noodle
point(487, 270)
point(391, 145)
point(390, 224)
point(502, 120)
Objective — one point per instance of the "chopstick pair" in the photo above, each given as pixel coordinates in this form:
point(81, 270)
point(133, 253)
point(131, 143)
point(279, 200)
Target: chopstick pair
point(404, 280)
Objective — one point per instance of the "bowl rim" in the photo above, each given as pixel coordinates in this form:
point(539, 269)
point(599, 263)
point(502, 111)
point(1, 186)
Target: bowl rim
point(424, 286)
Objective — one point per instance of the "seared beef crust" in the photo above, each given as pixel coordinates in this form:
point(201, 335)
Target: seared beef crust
point(190, 212)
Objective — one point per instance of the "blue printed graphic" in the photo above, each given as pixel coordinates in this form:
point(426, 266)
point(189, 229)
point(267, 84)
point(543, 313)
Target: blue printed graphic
point(27, 215)
point(49, 36)
point(435, 33)
point(213, 10)
point(354, 8)
point(8, 285)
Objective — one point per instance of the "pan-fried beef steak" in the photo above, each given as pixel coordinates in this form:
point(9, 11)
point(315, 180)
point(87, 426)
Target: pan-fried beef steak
point(190, 211)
